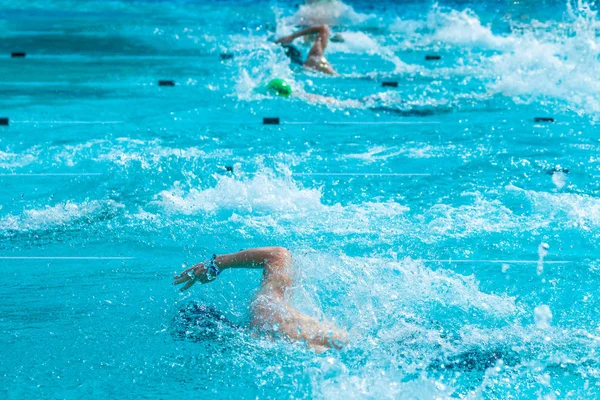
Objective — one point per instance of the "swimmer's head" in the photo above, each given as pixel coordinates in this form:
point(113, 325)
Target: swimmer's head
point(293, 54)
point(279, 87)
point(198, 322)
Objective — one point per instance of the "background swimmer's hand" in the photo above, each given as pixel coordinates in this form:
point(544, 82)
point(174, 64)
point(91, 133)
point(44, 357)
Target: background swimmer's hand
point(285, 40)
point(196, 273)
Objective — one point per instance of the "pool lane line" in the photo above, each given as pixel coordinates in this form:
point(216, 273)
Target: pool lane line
point(50, 122)
point(84, 58)
point(54, 174)
point(70, 122)
point(356, 174)
point(361, 123)
point(72, 174)
point(492, 261)
point(66, 258)
point(100, 258)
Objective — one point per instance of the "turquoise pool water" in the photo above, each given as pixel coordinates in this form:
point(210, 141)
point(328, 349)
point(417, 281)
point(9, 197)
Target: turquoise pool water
point(451, 234)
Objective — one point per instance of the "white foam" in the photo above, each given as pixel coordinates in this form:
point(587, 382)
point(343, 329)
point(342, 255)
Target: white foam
point(578, 210)
point(447, 288)
point(376, 154)
point(271, 202)
point(536, 61)
point(326, 12)
point(390, 307)
point(478, 216)
point(362, 43)
point(464, 28)
point(542, 316)
point(262, 193)
point(374, 382)
point(406, 287)
point(409, 149)
point(265, 202)
point(449, 26)
point(12, 160)
point(64, 214)
point(127, 152)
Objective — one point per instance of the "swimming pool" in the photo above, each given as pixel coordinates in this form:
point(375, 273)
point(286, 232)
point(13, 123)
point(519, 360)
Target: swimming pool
point(417, 213)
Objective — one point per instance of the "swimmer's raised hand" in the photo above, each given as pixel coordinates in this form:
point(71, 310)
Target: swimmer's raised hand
point(204, 272)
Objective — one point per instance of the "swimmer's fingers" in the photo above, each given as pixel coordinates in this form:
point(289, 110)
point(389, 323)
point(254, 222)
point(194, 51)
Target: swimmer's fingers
point(186, 272)
point(184, 277)
point(188, 285)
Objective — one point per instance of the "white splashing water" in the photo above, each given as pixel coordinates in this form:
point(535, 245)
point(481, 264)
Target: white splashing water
point(64, 214)
point(379, 300)
point(267, 201)
point(553, 60)
point(262, 193)
point(332, 12)
point(542, 316)
point(577, 210)
point(12, 160)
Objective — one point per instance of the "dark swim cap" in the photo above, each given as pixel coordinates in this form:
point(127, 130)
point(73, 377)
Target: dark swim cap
point(198, 322)
point(293, 53)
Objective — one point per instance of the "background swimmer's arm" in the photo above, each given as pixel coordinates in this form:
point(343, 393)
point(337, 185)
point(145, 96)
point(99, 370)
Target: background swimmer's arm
point(318, 48)
point(276, 262)
point(320, 43)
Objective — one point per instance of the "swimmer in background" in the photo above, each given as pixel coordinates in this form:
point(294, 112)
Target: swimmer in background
point(316, 57)
point(271, 311)
point(279, 87)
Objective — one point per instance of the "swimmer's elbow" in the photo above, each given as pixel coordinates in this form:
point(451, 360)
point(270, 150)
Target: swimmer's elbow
point(280, 254)
point(323, 29)
point(278, 261)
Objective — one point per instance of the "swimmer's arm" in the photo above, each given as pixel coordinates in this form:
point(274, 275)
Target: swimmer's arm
point(276, 262)
point(316, 334)
point(322, 30)
point(261, 257)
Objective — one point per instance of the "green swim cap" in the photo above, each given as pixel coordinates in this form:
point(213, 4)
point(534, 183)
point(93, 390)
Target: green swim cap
point(279, 87)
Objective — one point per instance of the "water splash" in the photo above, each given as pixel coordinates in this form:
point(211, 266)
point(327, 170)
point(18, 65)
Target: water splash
point(542, 316)
point(67, 214)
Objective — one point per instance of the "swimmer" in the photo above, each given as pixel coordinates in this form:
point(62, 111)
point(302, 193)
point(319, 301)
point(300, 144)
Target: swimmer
point(316, 58)
point(271, 311)
point(280, 88)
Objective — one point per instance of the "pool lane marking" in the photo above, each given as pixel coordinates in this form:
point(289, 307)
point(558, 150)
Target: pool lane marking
point(77, 57)
point(66, 258)
point(56, 174)
point(294, 174)
point(354, 174)
point(69, 122)
point(425, 261)
point(494, 261)
point(247, 123)
point(362, 123)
